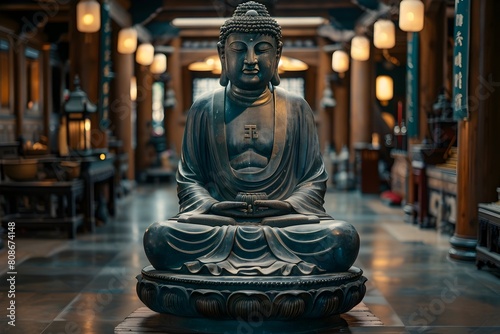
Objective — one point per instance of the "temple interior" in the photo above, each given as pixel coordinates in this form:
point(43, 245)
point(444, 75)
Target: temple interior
point(94, 101)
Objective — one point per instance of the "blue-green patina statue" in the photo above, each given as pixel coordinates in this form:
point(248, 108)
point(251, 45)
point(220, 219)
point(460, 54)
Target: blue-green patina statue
point(251, 183)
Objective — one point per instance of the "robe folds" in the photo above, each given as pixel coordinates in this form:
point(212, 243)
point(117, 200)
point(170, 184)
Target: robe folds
point(295, 173)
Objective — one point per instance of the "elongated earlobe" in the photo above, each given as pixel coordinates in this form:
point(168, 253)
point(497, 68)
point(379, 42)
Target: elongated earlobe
point(275, 80)
point(223, 78)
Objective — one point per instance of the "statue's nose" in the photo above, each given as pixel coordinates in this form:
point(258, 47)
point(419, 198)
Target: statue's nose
point(250, 57)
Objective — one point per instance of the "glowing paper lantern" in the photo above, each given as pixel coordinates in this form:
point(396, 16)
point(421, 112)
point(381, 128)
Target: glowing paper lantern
point(145, 54)
point(384, 34)
point(340, 61)
point(127, 41)
point(159, 64)
point(411, 15)
point(384, 88)
point(133, 88)
point(360, 48)
point(88, 16)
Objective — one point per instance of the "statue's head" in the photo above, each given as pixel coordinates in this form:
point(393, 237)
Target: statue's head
point(250, 47)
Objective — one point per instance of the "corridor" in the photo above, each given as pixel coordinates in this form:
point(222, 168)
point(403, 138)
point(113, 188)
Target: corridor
point(87, 285)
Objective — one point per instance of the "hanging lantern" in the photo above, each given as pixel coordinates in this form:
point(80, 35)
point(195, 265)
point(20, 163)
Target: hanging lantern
point(76, 111)
point(88, 16)
point(384, 34)
point(340, 61)
point(145, 54)
point(360, 48)
point(127, 40)
point(159, 64)
point(411, 15)
point(384, 88)
point(133, 88)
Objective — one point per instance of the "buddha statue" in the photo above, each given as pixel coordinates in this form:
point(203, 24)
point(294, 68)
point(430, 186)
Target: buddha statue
point(251, 180)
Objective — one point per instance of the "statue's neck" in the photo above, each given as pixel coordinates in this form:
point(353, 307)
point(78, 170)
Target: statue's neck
point(249, 97)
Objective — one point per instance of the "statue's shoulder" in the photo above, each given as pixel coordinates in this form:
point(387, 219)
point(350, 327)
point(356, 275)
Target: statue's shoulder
point(205, 101)
point(289, 96)
point(295, 102)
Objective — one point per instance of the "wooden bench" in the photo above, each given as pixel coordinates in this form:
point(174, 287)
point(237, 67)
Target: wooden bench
point(31, 203)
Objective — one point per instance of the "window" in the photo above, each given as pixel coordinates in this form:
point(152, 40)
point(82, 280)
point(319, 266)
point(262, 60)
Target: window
point(158, 113)
point(203, 85)
point(293, 85)
point(33, 80)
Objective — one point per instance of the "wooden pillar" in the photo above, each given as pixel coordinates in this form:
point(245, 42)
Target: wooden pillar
point(144, 118)
point(361, 104)
point(85, 51)
point(121, 106)
point(323, 71)
point(46, 90)
point(174, 115)
point(20, 86)
point(432, 41)
point(340, 124)
point(478, 137)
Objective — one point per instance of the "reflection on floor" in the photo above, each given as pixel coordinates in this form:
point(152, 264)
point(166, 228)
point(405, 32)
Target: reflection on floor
point(87, 285)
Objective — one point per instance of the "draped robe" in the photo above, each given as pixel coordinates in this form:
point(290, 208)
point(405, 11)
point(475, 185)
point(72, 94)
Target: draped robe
point(295, 173)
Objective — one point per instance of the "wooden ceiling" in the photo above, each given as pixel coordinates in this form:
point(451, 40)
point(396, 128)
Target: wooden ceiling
point(343, 15)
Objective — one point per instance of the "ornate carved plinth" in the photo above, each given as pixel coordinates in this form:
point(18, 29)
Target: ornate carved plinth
point(244, 298)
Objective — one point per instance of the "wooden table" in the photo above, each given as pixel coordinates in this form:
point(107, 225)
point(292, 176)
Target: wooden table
point(488, 236)
point(97, 175)
point(30, 203)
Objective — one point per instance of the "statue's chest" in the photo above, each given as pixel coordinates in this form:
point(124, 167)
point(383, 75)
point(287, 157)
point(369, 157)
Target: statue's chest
point(250, 129)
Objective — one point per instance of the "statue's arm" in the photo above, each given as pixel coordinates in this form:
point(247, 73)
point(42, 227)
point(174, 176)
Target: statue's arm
point(191, 178)
point(308, 194)
point(194, 172)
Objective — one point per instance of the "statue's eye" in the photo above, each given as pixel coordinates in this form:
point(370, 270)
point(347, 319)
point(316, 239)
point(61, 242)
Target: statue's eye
point(238, 47)
point(263, 47)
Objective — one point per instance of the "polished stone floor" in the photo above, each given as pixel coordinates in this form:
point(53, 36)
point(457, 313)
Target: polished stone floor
point(87, 285)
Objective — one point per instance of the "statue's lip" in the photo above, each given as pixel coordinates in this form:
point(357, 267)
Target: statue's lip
point(247, 71)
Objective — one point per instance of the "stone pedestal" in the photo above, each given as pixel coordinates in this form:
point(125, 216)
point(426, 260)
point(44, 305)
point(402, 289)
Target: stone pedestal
point(143, 320)
point(277, 301)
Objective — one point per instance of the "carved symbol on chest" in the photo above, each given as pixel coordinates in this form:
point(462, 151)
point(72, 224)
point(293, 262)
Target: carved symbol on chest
point(251, 131)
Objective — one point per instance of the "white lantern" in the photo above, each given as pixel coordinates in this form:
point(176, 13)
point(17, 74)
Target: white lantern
point(88, 16)
point(340, 61)
point(145, 54)
point(127, 40)
point(411, 15)
point(384, 88)
point(384, 34)
point(133, 88)
point(159, 64)
point(360, 48)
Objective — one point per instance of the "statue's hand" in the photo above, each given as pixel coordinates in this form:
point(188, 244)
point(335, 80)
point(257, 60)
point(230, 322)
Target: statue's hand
point(230, 209)
point(264, 208)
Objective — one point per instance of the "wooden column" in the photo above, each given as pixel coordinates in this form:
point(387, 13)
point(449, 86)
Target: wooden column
point(323, 71)
point(84, 54)
point(20, 85)
point(121, 105)
point(46, 90)
point(478, 137)
point(361, 104)
point(341, 113)
point(174, 115)
point(144, 118)
point(432, 41)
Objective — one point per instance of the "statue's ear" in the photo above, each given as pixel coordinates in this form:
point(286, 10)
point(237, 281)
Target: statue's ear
point(223, 76)
point(275, 80)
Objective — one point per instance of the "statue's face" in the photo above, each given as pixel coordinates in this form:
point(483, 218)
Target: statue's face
point(250, 60)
